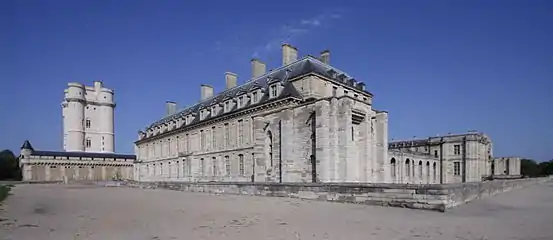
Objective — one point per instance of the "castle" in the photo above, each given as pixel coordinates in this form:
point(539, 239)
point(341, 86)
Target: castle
point(304, 122)
point(88, 141)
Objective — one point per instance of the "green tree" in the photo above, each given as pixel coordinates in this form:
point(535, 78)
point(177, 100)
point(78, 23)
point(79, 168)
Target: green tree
point(529, 168)
point(546, 168)
point(9, 166)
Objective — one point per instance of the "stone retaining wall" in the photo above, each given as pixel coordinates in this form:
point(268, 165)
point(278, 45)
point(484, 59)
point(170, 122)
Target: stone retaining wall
point(430, 197)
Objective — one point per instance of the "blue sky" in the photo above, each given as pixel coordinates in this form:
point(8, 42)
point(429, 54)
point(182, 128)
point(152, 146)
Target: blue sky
point(435, 66)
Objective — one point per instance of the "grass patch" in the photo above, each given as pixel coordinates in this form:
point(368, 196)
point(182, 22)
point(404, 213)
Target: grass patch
point(4, 192)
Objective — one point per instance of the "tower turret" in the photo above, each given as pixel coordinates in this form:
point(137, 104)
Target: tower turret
point(26, 149)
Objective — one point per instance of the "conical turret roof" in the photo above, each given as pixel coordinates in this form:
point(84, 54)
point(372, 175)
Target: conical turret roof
point(27, 145)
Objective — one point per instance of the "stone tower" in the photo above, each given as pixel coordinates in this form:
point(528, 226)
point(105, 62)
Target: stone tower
point(88, 118)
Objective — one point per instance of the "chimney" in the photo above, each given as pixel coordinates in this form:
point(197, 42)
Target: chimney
point(325, 56)
point(289, 54)
point(258, 68)
point(170, 107)
point(231, 79)
point(206, 91)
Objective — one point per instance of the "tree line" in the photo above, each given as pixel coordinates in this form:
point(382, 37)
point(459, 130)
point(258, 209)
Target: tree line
point(530, 168)
point(9, 166)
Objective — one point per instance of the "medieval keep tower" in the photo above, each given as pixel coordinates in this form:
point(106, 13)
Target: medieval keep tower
point(88, 118)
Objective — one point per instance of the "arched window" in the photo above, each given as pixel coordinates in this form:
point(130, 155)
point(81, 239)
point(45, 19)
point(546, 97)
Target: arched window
point(393, 168)
point(434, 172)
point(427, 171)
point(407, 168)
point(420, 170)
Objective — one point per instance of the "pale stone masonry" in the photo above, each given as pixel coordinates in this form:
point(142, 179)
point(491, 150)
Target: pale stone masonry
point(459, 158)
point(507, 167)
point(303, 122)
point(73, 166)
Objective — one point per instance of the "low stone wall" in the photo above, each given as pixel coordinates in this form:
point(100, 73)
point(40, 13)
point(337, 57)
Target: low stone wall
point(430, 197)
point(463, 193)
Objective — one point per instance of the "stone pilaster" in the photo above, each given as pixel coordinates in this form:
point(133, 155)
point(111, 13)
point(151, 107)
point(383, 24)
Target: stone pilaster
point(322, 112)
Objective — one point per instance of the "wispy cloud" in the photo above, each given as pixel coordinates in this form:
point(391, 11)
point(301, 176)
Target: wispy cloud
point(241, 44)
point(292, 31)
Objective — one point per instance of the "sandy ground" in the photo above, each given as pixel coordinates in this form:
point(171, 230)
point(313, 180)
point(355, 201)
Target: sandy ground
point(59, 212)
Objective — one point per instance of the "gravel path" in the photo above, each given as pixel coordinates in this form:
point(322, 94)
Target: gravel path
point(61, 212)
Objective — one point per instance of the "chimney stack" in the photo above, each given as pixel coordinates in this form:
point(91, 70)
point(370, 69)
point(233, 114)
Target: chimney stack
point(325, 56)
point(170, 107)
point(231, 79)
point(206, 91)
point(258, 68)
point(289, 54)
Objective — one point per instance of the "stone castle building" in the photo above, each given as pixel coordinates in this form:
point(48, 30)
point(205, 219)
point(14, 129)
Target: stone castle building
point(88, 118)
point(88, 141)
point(305, 121)
point(506, 167)
point(452, 158)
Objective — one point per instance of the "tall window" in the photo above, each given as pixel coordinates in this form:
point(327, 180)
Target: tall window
point(420, 170)
point(87, 123)
point(227, 165)
point(435, 153)
point(177, 144)
point(456, 149)
point(240, 132)
point(428, 172)
point(407, 168)
point(187, 142)
point(334, 91)
point(170, 147)
point(214, 165)
point(240, 101)
point(434, 172)
point(202, 167)
point(202, 138)
point(456, 168)
point(241, 164)
point(213, 138)
point(227, 134)
point(273, 91)
point(393, 168)
point(227, 106)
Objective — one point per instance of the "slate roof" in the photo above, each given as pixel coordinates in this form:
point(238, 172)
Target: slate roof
point(82, 154)
point(308, 64)
point(27, 145)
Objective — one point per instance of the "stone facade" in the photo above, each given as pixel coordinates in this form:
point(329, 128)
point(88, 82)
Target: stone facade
point(460, 158)
point(72, 166)
point(303, 122)
point(88, 118)
point(506, 167)
point(413, 168)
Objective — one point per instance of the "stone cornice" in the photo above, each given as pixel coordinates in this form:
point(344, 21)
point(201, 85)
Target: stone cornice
point(84, 101)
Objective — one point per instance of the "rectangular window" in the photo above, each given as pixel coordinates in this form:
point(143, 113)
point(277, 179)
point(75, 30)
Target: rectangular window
point(345, 92)
point(241, 163)
point(456, 168)
point(202, 167)
point(273, 91)
point(240, 132)
point(213, 138)
point(170, 143)
point(202, 140)
point(88, 142)
point(435, 153)
point(88, 123)
point(240, 101)
point(227, 165)
point(214, 165)
point(334, 91)
point(227, 134)
point(457, 149)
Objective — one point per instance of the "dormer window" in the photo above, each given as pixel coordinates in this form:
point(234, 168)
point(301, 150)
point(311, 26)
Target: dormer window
point(274, 91)
point(227, 106)
point(213, 110)
point(254, 97)
point(240, 101)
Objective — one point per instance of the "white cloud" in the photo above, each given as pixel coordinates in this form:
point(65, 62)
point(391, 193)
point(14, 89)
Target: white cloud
point(290, 32)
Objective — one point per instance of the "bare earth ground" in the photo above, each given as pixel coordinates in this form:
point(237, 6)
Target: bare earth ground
point(59, 212)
